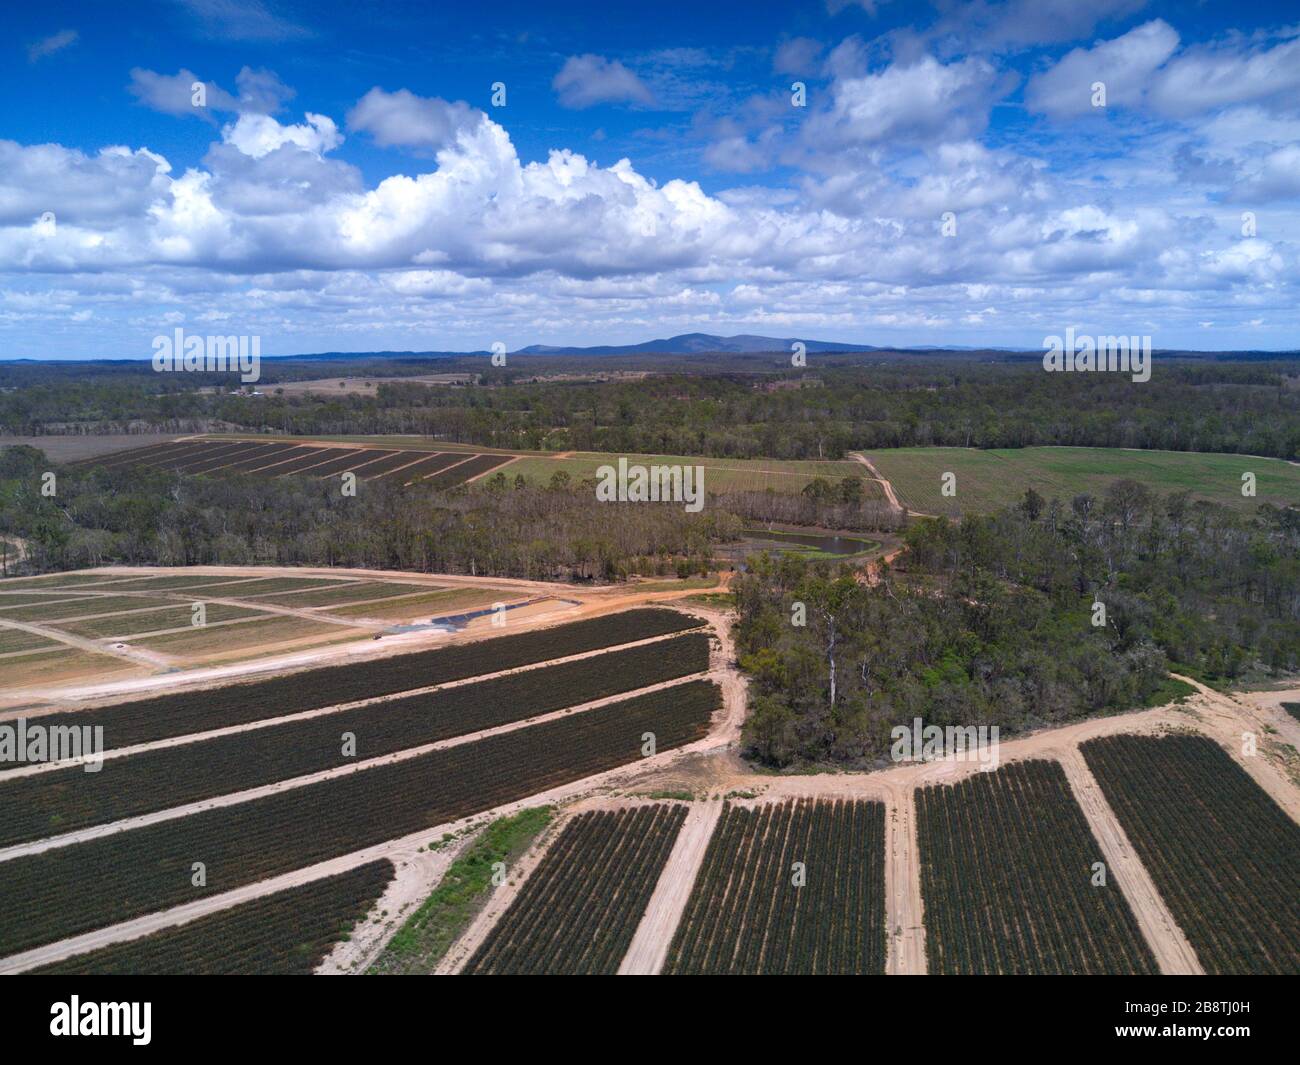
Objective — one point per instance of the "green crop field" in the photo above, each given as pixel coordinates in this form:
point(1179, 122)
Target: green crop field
point(987, 480)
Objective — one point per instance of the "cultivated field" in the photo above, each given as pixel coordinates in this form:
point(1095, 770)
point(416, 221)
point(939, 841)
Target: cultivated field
point(580, 907)
point(1009, 880)
point(408, 460)
point(287, 933)
point(987, 480)
point(720, 475)
point(1224, 855)
point(296, 819)
point(789, 888)
point(279, 458)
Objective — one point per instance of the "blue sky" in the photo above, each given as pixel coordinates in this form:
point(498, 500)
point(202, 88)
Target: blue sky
point(347, 183)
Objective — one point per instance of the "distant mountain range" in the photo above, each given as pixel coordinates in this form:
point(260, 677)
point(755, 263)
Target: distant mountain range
point(698, 343)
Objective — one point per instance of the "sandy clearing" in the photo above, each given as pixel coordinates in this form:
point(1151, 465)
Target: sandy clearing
point(648, 950)
point(1172, 951)
point(563, 602)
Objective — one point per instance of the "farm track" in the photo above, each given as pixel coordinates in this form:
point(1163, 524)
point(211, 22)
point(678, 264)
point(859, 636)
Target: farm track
point(648, 950)
point(1173, 953)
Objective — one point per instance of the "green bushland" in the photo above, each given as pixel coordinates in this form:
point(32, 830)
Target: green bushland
point(429, 932)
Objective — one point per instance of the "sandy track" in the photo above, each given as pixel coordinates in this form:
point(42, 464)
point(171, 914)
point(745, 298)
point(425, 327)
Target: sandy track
point(145, 658)
point(648, 950)
point(884, 484)
point(1173, 952)
point(904, 909)
point(416, 877)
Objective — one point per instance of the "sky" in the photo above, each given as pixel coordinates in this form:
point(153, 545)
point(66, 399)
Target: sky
point(434, 176)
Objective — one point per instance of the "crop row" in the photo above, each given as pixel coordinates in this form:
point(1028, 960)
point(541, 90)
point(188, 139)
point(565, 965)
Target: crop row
point(464, 471)
point(63, 800)
point(578, 911)
point(286, 933)
point(84, 886)
point(1224, 856)
point(161, 717)
point(790, 887)
point(1011, 883)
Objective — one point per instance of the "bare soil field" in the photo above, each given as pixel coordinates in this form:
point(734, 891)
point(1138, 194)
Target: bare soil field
point(73, 447)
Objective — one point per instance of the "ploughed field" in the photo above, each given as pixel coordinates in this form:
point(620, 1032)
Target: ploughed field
point(433, 772)
point(70, 623)
point(281, 458)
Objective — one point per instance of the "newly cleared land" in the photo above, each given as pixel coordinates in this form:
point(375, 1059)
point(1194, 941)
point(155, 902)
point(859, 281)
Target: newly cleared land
point(1011, 884)
point(987, 480)
point(70, 625)
point(789, 888)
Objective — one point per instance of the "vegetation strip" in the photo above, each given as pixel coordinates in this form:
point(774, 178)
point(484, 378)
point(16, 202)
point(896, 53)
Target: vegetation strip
point(287, 933)
point(748, 912)
point(429, 932)
point(164, 716)
point(579, 910)
point(64, 800)
point(78, 888)
point(1010, 880)
point(1224, 855)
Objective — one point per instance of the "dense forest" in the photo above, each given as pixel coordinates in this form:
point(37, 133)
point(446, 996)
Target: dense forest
point(505, 528)
point(838, 403)
point(991, 621)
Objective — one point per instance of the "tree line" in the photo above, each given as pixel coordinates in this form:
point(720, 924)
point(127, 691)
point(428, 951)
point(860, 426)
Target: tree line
point(1035, 615)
